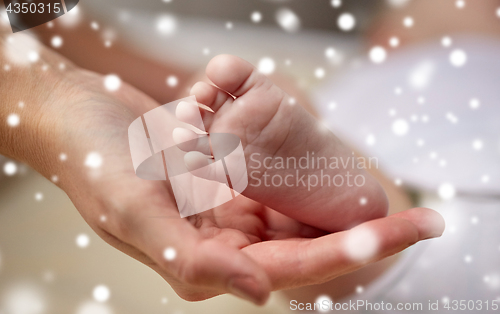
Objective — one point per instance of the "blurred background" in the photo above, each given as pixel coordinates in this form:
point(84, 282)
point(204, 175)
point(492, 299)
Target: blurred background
point(413, 83)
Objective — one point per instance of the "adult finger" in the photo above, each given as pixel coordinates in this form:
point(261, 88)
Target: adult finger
point(300, 262)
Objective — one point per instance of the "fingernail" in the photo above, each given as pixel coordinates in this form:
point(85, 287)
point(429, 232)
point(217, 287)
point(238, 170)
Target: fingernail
point(431, 225)
point(247, 288)
point(205, 107)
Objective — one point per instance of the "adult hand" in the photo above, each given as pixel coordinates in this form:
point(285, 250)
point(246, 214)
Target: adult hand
point(241, 247)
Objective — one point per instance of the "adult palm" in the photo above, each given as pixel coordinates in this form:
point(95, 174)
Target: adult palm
point(241, 247)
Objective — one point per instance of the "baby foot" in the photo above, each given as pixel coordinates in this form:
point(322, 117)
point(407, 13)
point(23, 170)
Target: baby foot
point(295, 164)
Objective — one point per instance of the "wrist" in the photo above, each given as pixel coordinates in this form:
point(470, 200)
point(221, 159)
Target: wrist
point(31, 96)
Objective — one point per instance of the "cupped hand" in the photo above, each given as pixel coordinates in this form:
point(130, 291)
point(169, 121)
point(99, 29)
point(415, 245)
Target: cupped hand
point(241, 247)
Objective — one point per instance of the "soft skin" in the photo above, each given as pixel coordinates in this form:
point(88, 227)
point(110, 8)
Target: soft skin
point(273, 127)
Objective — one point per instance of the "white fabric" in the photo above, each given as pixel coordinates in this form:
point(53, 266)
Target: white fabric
point(365, 95)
